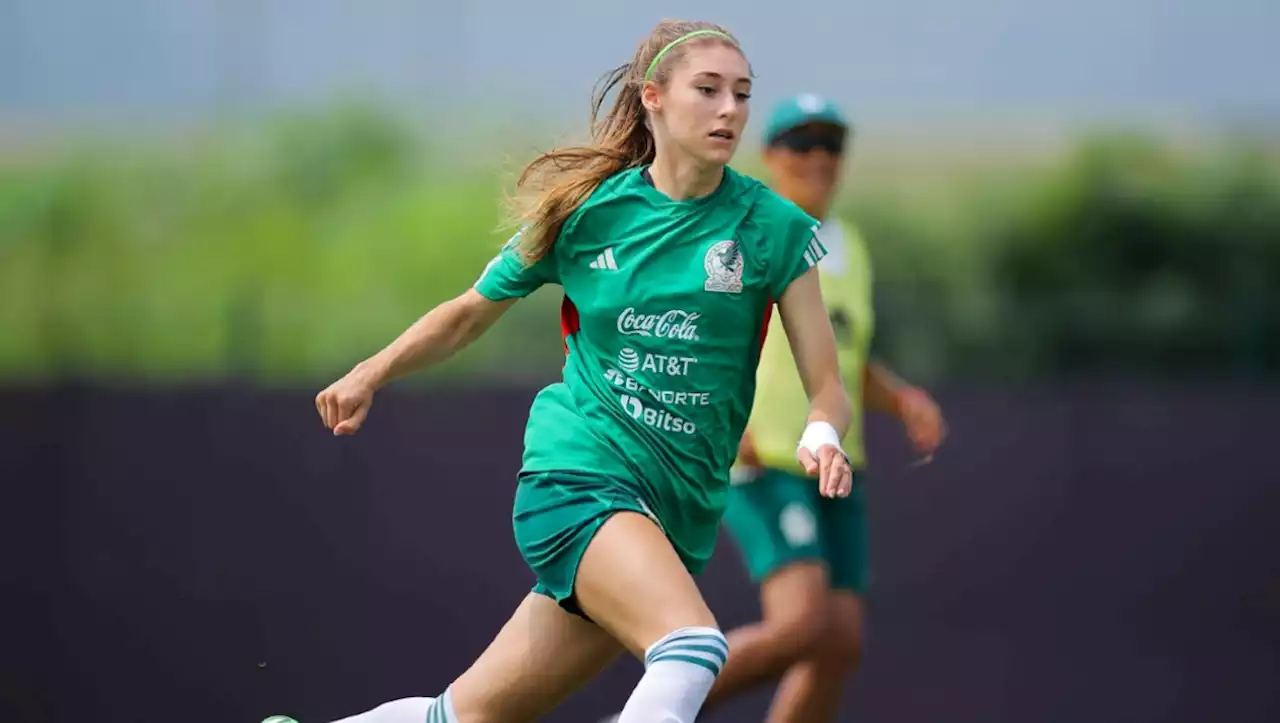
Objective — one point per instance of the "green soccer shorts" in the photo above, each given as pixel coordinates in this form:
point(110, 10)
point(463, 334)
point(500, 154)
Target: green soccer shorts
point(555, 517)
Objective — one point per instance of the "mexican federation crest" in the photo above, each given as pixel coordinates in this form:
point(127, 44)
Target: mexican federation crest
point(724, 268)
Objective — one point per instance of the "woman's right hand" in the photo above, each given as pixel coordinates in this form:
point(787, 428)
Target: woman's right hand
point(344, 404)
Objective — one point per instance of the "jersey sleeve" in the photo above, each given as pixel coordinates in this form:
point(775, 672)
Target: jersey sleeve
point(507, 277)
point(797, 251)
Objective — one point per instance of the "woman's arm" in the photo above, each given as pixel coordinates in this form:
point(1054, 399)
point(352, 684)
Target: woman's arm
point(436, 336)
point(813, 345)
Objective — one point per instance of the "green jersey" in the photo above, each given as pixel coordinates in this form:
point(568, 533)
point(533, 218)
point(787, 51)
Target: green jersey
point(666, 304)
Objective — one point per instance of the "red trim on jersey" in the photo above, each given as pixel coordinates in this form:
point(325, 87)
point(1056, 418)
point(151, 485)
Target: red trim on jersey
point(764, 330)
point(569, 322)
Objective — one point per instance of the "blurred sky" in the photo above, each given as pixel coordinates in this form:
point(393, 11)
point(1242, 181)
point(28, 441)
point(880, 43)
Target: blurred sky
point(910, 61)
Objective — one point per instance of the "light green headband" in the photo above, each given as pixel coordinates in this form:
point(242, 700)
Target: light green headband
point(648, 75)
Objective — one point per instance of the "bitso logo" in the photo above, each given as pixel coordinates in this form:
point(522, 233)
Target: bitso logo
point(674, 324)
point(724, 268)
point(631, 405)
point(656, 418)
point(629, 360)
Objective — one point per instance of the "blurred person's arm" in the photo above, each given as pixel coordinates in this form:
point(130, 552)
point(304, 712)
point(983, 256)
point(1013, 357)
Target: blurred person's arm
point(881, 389)
point(884, 392)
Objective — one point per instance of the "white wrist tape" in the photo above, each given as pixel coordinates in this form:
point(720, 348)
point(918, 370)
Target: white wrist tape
point(817, 434)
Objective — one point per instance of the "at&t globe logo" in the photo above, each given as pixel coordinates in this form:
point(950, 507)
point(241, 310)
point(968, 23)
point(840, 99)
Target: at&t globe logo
point(628, 360)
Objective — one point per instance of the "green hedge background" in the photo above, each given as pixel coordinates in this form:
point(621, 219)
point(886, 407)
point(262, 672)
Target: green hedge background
point(283, 253)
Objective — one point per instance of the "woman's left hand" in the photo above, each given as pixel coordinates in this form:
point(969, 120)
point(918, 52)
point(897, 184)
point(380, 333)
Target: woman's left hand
point(831, 466)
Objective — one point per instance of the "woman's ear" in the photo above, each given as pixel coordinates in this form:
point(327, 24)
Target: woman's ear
point(651, 98)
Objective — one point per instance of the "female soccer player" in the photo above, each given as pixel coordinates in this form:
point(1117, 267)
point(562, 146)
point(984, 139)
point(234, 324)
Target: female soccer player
point(808, 552)
point(670, 263)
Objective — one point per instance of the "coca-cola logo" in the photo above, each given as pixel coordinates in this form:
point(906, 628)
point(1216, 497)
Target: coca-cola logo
point(674, 324)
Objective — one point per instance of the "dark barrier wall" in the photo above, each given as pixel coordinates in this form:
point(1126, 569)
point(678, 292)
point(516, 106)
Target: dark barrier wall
point(1082, 555)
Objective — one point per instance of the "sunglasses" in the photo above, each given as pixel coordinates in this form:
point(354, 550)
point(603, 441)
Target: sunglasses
point(812, 137)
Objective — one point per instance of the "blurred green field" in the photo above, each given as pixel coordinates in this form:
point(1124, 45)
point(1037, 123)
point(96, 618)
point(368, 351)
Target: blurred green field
point(286, 252)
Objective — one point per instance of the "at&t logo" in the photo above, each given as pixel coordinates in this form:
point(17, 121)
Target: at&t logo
point(672, 366)
point(628, 360)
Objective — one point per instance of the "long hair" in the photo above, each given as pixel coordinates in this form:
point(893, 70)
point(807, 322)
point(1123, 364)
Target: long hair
point(556, 183)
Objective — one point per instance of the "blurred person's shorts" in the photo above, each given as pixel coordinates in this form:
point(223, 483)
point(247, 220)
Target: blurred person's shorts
point(780, 518)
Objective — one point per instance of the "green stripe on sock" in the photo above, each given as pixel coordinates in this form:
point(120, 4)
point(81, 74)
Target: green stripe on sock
point(694, 636)
point(701, 662)
point(437, 713)
point(717, 651)
point(715, 640)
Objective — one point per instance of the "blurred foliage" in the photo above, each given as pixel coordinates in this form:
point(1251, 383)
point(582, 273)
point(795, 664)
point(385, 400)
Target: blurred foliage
point(288, 253)
point(283, 254)
point(1127, 257)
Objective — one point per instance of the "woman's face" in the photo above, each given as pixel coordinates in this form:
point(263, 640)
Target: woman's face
point(704, 106)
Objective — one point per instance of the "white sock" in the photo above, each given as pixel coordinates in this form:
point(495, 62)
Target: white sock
point(409, 710)
point(678, 673)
